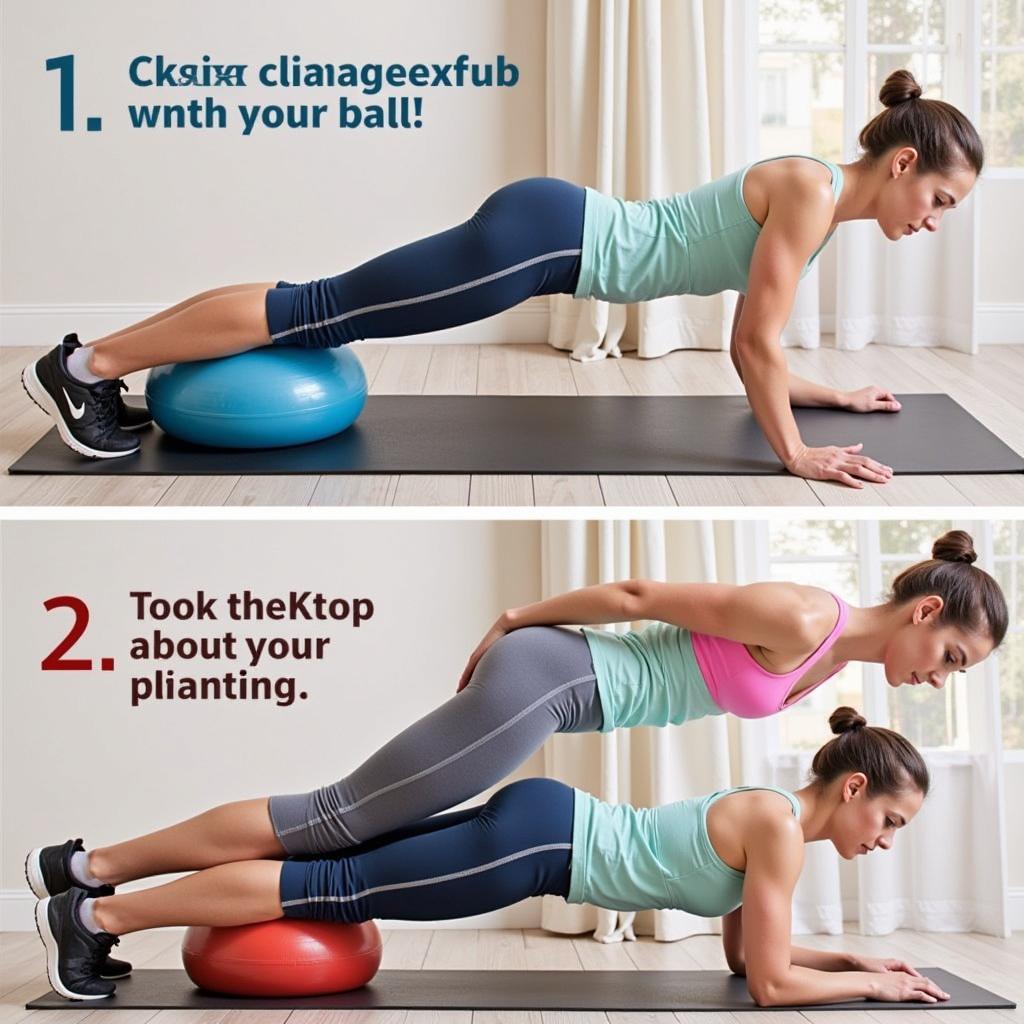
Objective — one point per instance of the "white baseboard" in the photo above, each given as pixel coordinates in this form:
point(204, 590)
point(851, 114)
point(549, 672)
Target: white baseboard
point(17, 906)
point(1001, 323)
point(1016, 912)
point(524, 324)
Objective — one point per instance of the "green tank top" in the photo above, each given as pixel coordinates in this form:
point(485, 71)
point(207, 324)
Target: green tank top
point(648, 677)
point(658, 858)
point(692, 243)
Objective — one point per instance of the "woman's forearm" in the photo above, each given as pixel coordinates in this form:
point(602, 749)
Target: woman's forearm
point(605, 602)
point(806, 986)
point(803, 392)
point(821, 959)
point(766, 379)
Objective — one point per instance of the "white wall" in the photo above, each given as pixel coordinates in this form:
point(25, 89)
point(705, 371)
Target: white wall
point(98, 222)
point(72, 739)
point(148, 216)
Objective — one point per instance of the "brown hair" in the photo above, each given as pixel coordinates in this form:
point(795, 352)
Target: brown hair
point(943, 137)
point(972, 600)
point(887, 759)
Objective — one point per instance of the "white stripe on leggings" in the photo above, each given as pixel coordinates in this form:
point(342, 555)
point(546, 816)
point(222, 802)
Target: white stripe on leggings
point(448, 760)
point(431, 881)
point(432, 295)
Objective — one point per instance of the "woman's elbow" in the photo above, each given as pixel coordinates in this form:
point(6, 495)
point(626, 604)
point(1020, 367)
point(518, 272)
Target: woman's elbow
point(765, 991)
point(636, 599)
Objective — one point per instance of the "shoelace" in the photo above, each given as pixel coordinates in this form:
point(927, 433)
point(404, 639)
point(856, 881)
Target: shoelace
point(107, 396)
point(105, 942)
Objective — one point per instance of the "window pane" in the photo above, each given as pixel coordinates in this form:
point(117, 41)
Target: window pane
point(1008, 28)
point(801, 21)
point(839, 577)
point(896, 21)
point(911, 536)
point(926, 716)
point(1002, 108)
point(811, 87)
point(1002, 536)
point(881, 65)
point(1007, 575)
point(811, 537)
point(1011, 690)
point(936, 35)
point(805, 725)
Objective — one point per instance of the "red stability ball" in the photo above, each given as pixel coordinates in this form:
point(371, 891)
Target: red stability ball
point(286, 957)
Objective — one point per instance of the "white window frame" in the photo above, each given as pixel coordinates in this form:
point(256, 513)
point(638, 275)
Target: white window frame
point(961, 85)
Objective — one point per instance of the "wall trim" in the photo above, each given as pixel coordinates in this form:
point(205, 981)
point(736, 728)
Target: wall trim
point(20, 325)
point(1016, 907)
point(17, 915)
point(1000, 323)
point(17, 905)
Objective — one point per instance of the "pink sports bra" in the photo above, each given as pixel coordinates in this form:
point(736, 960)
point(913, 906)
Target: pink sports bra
point(738, 684)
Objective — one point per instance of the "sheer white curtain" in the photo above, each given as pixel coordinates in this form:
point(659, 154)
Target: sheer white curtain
point(644, 767)
point(629, 114)
point(920, 291)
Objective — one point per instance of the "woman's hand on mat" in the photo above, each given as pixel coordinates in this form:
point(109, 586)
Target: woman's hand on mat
point(900, 987)
point(496, 632)
point(870, 399)
point(846, 465)
point(879, 965)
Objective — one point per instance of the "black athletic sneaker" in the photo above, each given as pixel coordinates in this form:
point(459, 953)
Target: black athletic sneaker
point(85, 414)
point(73, 953)
point(131, 417)
point(48, 873)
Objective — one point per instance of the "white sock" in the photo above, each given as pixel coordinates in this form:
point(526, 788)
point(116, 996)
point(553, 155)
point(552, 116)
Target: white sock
point(80, 869)
point(78, 366)
point(87, 916)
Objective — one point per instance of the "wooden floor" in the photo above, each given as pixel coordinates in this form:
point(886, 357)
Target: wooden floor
point(997, 964)
point(987, 385)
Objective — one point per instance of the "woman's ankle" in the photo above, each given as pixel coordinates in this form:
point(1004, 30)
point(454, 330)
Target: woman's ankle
point(103, 364)
point(99, 866)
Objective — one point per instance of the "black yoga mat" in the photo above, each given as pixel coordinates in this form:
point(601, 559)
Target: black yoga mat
point(637, 435)
point(507, 990)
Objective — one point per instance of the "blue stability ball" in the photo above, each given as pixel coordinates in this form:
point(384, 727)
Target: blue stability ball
point(265, 398)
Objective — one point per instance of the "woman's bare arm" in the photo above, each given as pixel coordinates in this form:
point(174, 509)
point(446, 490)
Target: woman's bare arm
point(801, 392)
point(774, 850)
point(797, 220)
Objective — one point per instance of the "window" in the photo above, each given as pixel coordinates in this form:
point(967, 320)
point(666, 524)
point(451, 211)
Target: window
point(1002, 82)
point(773, 96)
point(834, 55)
point(1008, 569)
point(801, 47)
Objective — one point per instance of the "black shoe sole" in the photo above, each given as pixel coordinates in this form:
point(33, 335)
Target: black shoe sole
point(34, 389)
point(49, 940)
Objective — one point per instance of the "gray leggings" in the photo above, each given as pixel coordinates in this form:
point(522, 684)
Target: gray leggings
point(531, 683)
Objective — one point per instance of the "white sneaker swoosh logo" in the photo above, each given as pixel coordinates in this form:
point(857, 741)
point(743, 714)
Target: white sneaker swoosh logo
point(76, 411)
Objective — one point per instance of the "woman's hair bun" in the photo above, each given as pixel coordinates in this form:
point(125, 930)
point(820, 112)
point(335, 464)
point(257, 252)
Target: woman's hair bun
point(846, 719)
point(898, 88)
point(955, 546)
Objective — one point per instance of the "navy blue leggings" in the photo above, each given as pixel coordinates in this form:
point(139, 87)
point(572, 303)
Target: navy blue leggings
point(524, 240)
point(451, 865)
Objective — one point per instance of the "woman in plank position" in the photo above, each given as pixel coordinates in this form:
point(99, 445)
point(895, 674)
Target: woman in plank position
point(757, 230)
point(736, 853)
